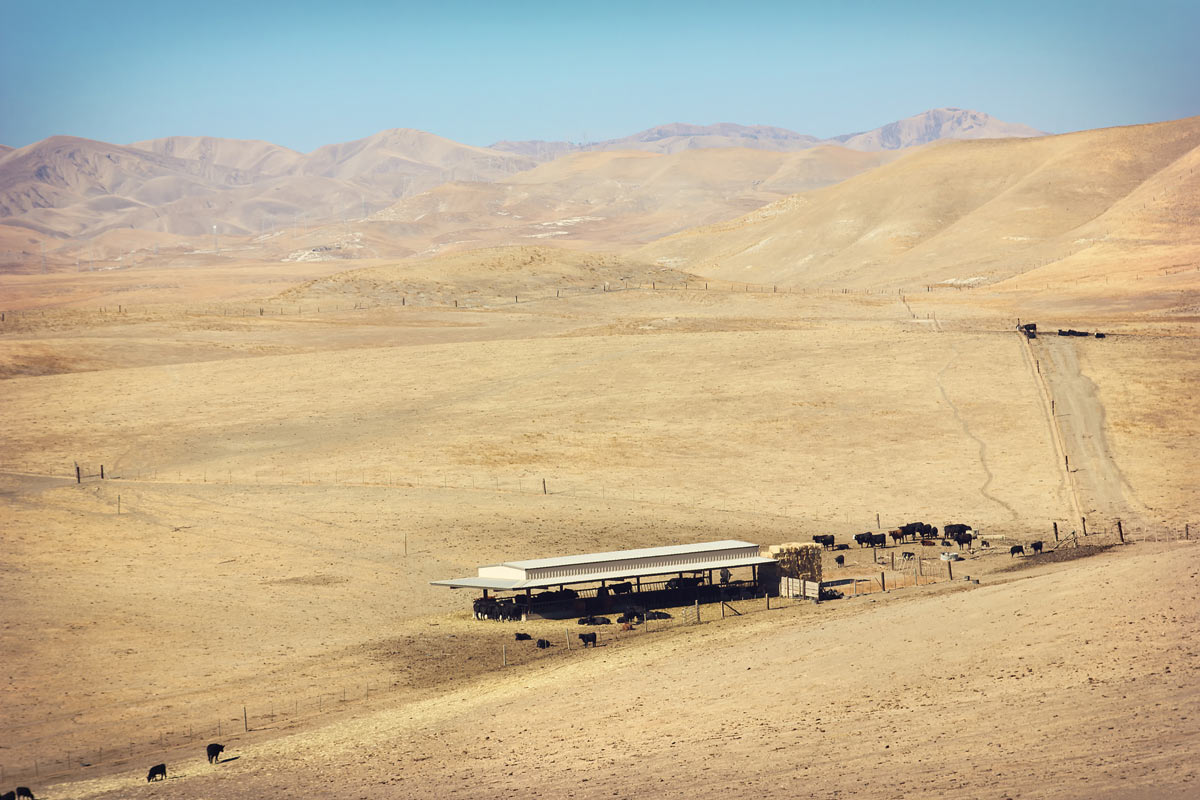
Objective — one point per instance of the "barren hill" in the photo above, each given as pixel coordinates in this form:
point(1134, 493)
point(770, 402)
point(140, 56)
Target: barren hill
point(935, 124)
point(971, 213)
point(71, 187)
point(938, 123)
point(616, 198)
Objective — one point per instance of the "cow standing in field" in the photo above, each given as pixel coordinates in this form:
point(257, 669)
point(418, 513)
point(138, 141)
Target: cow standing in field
point(588, 638)
point(8, 796)
point(214, 752)
point(840, 561)
point(157, 773)
point(1015, 549)
point(23, 792)
point(1036, 547)
point(542, 644)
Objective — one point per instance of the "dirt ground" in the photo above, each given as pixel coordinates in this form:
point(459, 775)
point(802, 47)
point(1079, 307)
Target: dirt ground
point(279, 492)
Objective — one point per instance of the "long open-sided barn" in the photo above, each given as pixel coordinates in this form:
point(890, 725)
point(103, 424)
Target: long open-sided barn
point(622, 577)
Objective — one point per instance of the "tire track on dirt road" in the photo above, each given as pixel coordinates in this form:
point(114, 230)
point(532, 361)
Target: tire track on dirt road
point(1100, 487)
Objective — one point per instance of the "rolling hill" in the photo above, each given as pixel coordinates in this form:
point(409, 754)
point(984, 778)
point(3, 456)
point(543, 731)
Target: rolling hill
point(973, 213)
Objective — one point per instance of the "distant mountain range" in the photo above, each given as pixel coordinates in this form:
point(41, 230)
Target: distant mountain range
point(938, 123)
point(68, 187)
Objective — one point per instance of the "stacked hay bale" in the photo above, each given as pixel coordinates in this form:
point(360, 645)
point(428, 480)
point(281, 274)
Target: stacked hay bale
point(798, 560)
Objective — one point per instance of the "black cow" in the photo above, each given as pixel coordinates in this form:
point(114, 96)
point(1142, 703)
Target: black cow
point(631, 617)
point(928, 543)
point(840, 561)
point(825, 540)
point(1036, 547)
point(684, 583)
point(588, 638)
point(956, 528)
point(1016, 548)
point(214, 752)
point(542, 644)
point(864, 539)
point(622, 588)
point(523, 637)
point(23, 791)
point(984, 543)
point(907, 556)
point(657, 615)
point(963, 539)
point(1100, 335)
point(897, 536)
point(8, 796)
point(841, 547)
point(157, 773)
point(878, 540)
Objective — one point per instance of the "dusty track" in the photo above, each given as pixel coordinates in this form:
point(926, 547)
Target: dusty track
point(1103, 491)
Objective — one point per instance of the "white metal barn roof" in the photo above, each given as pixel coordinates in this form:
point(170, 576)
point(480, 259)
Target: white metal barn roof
point(540, 573)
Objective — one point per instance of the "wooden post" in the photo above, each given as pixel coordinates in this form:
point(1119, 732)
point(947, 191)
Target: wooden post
point(882, 583)
point(567, 634)
point(78, 478)
point(1084, 521)
point(1067, 461)
point(697, 609)
point(544, 486)
point(504, 655)
point(245, 719)
point(1187, 530)
point(878, 524)
point(1120, 532)
point(101, 472)
point(1056, 531)
point(118, 505)
point(950, 569)
point(893, 561)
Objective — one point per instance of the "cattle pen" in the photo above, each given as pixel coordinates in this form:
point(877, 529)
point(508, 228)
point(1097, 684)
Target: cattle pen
point(624, 580)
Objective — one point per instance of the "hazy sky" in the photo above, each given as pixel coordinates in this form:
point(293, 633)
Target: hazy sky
point(302, 74)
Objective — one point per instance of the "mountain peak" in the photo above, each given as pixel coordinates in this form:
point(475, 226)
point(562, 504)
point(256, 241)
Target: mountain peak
point(934, 124)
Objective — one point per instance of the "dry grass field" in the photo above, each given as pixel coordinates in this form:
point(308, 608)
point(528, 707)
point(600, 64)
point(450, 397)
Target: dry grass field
point(293, 450)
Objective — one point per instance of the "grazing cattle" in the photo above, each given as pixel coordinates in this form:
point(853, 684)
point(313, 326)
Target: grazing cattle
point(928, 543)
point(214, 752)
point(1036, 547)
point(8, 796)
point(897, 536)
point(588, 638)
point(622, 588)
point(863, 539)
point(879, 540)
point(963, 539)
point(840, 561)
point(23, 791)
point(523, 637)
point(841, 547)
point(956, 528)
point(1100, 335)
point(907, 556)
point(657, 615)
point(825, 540)
point(684, 583)
point(984, 543)
point(542, 644)
point(157, 773)
point(1016, 548)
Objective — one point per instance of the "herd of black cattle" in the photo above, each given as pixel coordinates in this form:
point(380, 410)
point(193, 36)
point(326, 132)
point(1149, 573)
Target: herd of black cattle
point(17, 794)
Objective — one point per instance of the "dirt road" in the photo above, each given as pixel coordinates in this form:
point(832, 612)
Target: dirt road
point(1103, 492)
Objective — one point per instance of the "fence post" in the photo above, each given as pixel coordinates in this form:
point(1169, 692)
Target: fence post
point(1084, 521)
point(503, 655)
point(78, 479)
point(1120, 532)
point(698, 610)
point(245, 720)
point(1056, 531)
point(882, 582)
point(950, 569)
point(101, 472)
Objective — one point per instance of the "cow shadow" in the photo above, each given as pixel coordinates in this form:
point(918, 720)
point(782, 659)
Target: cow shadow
point(227, 760)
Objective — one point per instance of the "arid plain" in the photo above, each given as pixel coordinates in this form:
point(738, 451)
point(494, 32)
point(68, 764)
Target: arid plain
point(294, 449)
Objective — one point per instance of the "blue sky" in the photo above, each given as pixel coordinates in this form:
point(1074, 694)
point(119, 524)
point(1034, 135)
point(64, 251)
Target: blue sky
point(303, 74)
